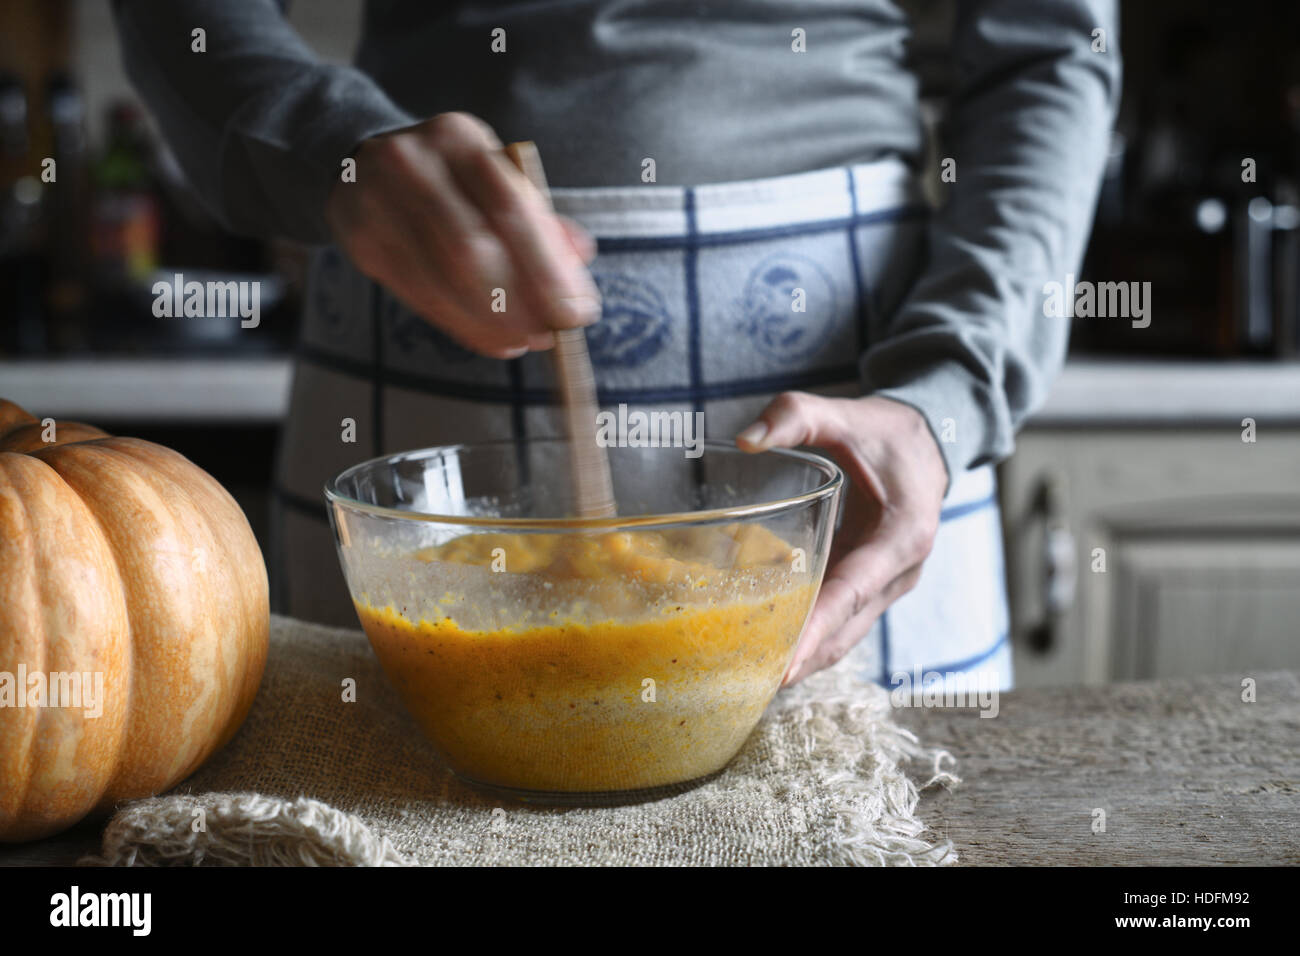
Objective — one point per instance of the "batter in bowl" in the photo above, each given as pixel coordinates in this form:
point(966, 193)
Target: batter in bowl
point(658, 655)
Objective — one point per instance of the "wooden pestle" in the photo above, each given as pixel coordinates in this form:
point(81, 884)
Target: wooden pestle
point(588, 461)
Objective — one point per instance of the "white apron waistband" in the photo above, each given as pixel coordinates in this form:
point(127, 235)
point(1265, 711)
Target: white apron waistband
point(649, 211)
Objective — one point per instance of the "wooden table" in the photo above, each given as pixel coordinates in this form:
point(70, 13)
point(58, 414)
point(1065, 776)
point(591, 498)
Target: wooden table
point(1185, 771)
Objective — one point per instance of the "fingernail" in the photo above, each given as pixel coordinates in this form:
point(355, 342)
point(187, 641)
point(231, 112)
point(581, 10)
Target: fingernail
point(754, 434)
point(791, 671)
point(541, 341)
point(582, 309)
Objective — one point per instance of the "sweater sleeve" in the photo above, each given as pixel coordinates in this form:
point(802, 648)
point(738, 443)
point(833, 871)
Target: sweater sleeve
point(1028, 126)
point(257, 121)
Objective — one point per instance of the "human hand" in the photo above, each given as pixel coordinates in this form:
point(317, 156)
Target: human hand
point(440, 216)
point(896, 483)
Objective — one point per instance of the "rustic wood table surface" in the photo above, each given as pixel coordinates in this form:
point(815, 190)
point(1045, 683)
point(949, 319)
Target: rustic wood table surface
point(1185, 772)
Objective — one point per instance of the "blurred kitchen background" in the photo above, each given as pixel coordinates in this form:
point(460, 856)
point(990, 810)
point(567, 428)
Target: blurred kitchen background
point(1145, 537)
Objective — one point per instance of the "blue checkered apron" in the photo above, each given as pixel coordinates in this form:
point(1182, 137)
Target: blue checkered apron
point(696, 284)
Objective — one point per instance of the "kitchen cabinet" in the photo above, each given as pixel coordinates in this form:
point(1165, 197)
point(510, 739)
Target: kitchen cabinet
point(1153, 550)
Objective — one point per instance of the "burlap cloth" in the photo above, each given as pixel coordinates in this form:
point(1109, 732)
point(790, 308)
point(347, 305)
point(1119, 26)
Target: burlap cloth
point(313, 780)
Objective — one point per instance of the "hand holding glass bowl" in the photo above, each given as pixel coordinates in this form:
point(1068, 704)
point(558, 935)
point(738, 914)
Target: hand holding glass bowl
point(577, 660)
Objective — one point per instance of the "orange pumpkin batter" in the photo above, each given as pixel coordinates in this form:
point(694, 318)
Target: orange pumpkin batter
point(684, 639)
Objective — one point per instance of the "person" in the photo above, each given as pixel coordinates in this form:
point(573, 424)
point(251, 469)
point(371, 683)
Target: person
point(712, 164)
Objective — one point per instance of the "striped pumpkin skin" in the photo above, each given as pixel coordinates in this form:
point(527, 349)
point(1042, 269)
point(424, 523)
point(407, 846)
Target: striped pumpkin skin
point(125, 567)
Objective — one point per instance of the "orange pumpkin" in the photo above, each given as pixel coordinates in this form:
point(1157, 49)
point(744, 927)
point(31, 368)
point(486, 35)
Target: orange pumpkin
point(123, 559)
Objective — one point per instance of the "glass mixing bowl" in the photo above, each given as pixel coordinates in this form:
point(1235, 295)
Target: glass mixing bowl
point(573, 660)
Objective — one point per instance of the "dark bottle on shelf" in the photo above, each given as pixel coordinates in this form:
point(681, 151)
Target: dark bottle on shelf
point(22, 221)
point(67, 289)
point(126, 226)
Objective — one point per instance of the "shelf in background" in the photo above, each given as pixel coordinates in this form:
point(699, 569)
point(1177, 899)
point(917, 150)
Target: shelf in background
point(162, 390)
point(1117, 392)
point(1089, 392)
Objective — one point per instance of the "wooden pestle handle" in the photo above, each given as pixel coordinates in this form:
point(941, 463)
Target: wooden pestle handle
point(588, 461)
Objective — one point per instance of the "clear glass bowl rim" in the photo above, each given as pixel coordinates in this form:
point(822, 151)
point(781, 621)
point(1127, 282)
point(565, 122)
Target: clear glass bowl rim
point(828, 488)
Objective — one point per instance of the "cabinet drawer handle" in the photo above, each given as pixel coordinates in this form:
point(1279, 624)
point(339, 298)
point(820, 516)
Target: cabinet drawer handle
point(1059, 564)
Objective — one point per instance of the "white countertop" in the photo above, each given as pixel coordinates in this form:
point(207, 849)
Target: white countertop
point(154, 390)
point(256, 390)
point(1117, 392)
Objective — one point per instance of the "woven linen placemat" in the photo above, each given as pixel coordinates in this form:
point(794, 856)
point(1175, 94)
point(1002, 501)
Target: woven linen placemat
point(313, 780)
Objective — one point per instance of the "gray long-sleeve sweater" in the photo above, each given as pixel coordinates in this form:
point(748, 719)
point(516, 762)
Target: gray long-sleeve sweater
point(713, 91)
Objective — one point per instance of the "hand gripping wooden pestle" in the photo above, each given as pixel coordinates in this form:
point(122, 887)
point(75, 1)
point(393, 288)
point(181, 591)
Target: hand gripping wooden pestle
point(588, 460)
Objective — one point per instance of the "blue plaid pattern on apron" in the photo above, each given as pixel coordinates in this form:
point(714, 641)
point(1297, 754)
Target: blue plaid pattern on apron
point(697, 284)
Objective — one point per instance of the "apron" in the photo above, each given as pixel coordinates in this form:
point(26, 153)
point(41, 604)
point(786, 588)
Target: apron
point(697, 285)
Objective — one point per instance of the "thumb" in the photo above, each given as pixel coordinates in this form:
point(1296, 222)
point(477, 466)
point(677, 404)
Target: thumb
point(790, 419)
